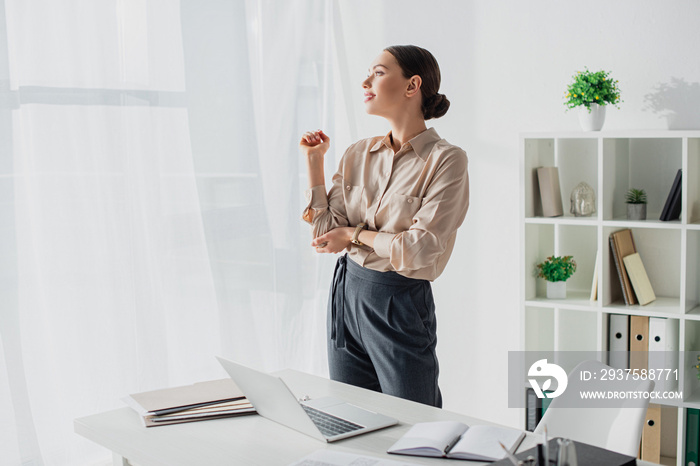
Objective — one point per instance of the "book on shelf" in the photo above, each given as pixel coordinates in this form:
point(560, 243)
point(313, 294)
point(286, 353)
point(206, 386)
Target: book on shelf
point(672, 207)
point(200, 401)
point(452, 439)
point(639, 278)
point(594, 283)
point(622, 244)
point(585, 455)
point(550, 192)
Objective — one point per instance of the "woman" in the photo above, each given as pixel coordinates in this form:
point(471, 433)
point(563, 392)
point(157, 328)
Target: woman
point(395, 205)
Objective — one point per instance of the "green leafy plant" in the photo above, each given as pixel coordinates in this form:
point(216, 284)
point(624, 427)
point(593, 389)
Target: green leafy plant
point(636, 196)
point(592, 88)
point(557, 269)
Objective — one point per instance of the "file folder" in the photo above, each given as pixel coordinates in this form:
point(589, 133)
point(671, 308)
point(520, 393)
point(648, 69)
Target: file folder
point(651, 434)
point(663, 352)
point(534, 410)
point(692, 436)
point(639, 346)
point(619, 341)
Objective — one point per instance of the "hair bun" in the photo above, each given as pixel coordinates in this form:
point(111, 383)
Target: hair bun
point(435, 106)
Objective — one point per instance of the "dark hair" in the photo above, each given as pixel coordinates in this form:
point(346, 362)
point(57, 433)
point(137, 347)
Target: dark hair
point(413, 61)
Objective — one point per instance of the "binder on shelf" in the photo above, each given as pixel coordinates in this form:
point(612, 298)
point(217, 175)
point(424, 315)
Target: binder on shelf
point(663, 352)
point(651, 434)
point(545, 402)
point(533, 410)
point(672, 207)
point(639, 278)
point(594, 284)
point(622, 244)
point(692, 436)
point(550, 192)
point(619, 341)
point(639, 348)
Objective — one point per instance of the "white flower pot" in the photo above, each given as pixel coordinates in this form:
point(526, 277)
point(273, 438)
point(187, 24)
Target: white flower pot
point(556, 290)
point(593, 120)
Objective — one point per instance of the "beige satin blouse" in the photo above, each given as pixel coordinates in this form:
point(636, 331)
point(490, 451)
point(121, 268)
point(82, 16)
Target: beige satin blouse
point(416, 199)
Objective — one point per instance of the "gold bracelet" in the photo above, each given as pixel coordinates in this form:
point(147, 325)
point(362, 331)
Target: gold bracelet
point(355, 235)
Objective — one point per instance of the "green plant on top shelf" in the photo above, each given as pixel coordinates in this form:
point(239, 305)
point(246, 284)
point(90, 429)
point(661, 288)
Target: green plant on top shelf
point(592, 88)
point(636, 196)
point(557, 269)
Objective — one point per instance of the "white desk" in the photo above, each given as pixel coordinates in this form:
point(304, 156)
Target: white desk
point(253, 440)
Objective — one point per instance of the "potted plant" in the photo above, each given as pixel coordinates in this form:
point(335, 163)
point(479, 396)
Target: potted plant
point(592, 92)
point(636, 204)
point(557, 270)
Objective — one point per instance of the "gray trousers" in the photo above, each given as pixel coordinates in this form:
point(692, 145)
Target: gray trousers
point(382, 333)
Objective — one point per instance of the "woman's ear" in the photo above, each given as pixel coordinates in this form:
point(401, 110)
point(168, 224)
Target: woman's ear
point(414, 84)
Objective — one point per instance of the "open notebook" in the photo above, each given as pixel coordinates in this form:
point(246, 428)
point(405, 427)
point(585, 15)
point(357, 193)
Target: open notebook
point(452, 439)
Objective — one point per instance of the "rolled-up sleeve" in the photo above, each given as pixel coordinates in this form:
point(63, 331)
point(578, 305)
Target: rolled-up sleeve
point(326, 211)
point(435, 224)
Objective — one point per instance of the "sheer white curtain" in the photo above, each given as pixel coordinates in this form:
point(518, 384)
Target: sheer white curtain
point(150, 194)
point(291, 91)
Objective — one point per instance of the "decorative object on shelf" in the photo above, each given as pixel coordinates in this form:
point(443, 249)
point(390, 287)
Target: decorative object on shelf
point(592, 118)
point(636, 204)
point(582, 200)
point(592, 92)
point(550, 192)
point(697, 366)
point(672, 207)
point(557, 270)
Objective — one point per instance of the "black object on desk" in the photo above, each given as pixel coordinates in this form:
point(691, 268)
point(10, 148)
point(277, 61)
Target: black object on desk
point(585, 454)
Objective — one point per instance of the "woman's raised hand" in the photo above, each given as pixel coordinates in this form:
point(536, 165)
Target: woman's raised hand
point(314, 143)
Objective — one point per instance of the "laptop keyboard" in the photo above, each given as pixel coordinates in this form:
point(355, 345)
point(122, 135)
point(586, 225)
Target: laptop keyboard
point(329, 425)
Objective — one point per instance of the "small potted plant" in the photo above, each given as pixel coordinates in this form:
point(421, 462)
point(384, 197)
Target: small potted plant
point(636, 204)
point(557, 270)
point(592, 92)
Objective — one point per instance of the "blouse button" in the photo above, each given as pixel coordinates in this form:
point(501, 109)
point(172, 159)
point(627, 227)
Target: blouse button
point(410, 201)
point(348, 188)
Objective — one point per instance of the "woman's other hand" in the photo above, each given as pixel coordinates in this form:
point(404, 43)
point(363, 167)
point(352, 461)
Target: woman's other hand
point(334, 241)
point(314, 143)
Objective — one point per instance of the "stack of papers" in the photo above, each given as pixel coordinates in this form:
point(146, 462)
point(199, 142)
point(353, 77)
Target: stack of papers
point(204, 400)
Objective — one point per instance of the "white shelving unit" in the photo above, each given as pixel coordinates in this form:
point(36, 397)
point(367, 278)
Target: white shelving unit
point(611, 163)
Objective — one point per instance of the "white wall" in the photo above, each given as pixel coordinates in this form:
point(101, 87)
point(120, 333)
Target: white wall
point(505, 68)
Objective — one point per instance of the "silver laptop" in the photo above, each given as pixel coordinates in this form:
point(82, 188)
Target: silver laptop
point(328, 419)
